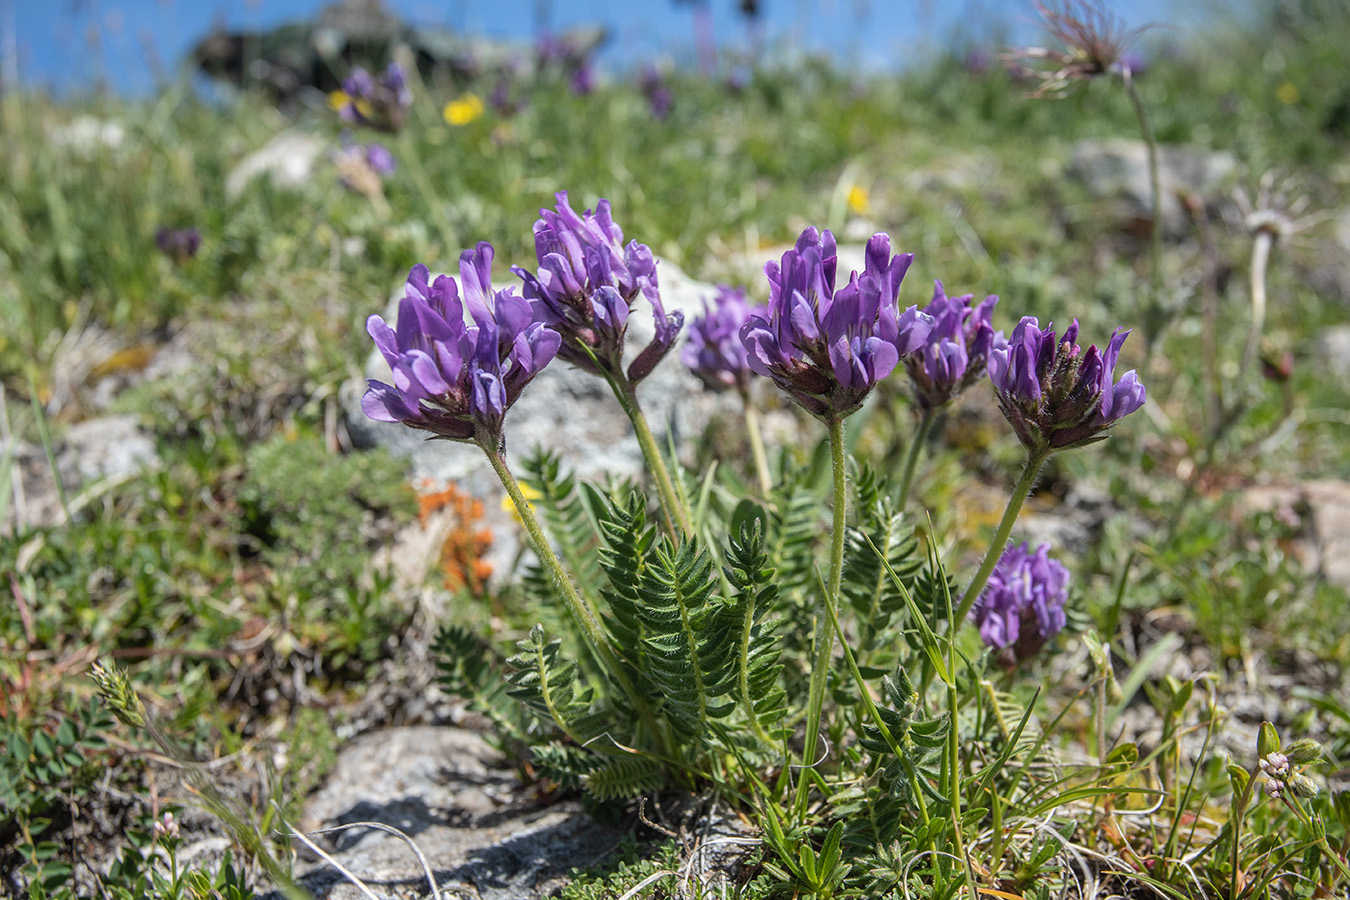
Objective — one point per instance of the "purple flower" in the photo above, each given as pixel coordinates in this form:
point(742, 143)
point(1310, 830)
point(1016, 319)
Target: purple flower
point(585, 286)
point(583, 79)
point(381, 104)
point(453, 379)
point(1056, 396)
point(1022, 606)
point(380, 159)
point(827, 349)
point(714, 352)
point(660, 99)
point(957, 350)
point(180, 243)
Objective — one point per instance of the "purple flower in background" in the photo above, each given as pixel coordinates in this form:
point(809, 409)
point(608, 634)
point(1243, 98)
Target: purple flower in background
point(583, 79)
point(380, 159)
point(180, 243)
point(659, 96)
point(1056, 396)
point(585, 286)
point(957, 350)
point(1022, 606)
point(714, 352)
point(381, 104)
point(453, 379)
point(828, 348)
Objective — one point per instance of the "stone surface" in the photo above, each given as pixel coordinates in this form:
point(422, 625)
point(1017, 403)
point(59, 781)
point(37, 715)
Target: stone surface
point(1322, 508)
point(108, 448)
point(288, 160)
point(1333, 347)
point(445, 788)
point(1116, 171)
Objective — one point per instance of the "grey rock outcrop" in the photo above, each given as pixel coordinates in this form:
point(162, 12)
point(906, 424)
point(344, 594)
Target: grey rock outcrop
point(106, 449)
point(1116, 172)
point(447, 790)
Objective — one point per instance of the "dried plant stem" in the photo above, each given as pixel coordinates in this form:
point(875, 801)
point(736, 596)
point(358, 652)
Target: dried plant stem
point(916, 442)
point(581, 612)
point(824, 636)
point(1260, 260)
point(1035, 459)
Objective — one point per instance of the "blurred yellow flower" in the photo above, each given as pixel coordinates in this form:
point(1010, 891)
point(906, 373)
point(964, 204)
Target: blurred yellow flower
point(529, 493)
point(337, 99)
point(1287, 93)
point(463, 110)
point(858, 201)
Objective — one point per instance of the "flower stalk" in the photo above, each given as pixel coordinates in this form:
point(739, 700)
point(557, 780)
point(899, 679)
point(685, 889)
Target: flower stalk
point(581, 612)
point(823, 642)
point(1035, 459)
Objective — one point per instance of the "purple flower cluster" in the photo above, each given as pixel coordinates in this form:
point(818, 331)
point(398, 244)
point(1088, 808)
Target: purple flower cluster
point(179, 243)
point(585, 286)
point(660, 98)
point(381, 103)
point(828, 348)
point(1056, 396)
point(453, 379)
point(957, 350)
point(715, 353)
point(1022, 606)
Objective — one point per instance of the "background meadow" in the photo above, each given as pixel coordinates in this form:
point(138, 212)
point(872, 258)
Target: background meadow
point(183, 497)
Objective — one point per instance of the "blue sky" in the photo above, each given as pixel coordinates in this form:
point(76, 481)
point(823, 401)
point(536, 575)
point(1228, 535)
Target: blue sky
point(71, 44)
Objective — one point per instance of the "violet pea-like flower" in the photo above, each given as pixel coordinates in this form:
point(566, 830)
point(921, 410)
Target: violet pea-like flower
point(451, 378)
point(714, 351)
point(1022, 606)
point(585, 286)
point(1054, 395)
point(827, 349)
point(957, 349)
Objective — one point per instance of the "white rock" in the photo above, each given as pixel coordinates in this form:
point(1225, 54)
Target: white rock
point(288, 160)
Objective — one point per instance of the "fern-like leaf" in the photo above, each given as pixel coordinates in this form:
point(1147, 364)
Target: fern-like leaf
point(759, 671)
point(559, 503)
point(546, 683)
point(867, 585)
point(623, 557)
point(690, 638)
point(625, 778)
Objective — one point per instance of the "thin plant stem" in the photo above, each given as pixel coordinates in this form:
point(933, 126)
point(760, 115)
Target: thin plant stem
point(674, 511)
point(824, 636)
point(875, 715)
point(1035, 459)
point(1152, 320)
point(581, 613)
point(1231, 412)
point(756, 437)
point(916, 443)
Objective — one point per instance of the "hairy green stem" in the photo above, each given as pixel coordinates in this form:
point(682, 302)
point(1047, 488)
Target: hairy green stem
point(1035, 459)
point(674, 511)
point(824, 636)
point(581, 612)
point(916, 443)
point(752, 431)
